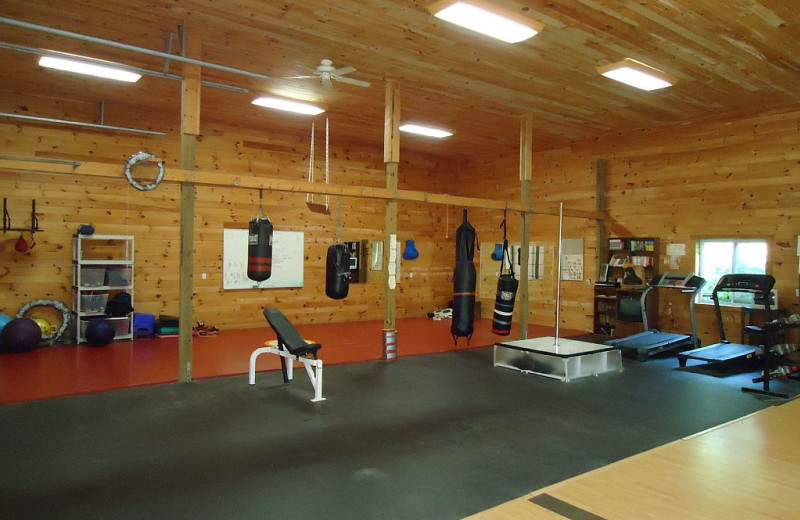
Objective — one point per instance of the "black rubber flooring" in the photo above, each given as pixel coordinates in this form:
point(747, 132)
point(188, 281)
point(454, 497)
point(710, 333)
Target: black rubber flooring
point(428, 437)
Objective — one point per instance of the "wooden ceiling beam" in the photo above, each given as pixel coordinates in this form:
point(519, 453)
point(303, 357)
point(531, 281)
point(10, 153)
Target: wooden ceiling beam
point(233, 180)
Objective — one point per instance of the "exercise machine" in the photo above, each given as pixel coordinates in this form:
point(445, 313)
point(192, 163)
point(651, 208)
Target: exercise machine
point(760, 286)
point(652, 341)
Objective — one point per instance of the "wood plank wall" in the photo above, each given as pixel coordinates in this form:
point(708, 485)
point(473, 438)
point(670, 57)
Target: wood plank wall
point(713, 178)
point(557, 177)
point(113, 207)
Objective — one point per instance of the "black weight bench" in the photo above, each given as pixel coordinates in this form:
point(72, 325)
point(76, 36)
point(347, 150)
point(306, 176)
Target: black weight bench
point(290, 345)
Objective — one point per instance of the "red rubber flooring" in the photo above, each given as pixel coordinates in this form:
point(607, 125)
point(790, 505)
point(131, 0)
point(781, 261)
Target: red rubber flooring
point(67, 370)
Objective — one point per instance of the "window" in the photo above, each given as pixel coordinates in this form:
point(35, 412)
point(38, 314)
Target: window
point(716, 257)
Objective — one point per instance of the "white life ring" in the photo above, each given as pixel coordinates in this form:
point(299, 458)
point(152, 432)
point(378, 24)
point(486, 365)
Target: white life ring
point(138, 157)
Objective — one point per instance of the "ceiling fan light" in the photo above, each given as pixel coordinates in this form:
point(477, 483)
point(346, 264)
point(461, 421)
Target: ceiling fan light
point(84, 67)
point(288, 106)
point(637, 74)
point(427, 131)
point(487, 19)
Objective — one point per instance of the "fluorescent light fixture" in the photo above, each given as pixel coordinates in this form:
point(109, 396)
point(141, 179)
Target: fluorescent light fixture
point(425, 130)
point(91, 69)
point(637, 74)
point(487, 19)
point(288, 106)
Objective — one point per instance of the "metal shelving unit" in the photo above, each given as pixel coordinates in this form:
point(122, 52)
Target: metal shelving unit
point(102, 266)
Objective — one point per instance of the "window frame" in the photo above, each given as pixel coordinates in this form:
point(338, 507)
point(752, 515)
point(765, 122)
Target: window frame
point(700, 299)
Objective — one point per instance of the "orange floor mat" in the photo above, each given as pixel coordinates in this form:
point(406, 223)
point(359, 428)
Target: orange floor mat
point(66, 370)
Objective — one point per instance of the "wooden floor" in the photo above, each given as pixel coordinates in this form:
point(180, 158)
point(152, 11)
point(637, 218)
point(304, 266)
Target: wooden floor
point(747, 469)
point(67, 370)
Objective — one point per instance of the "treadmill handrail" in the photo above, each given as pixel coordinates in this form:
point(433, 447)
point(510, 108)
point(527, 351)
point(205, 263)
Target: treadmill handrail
point(741, 283)
point(693, 286)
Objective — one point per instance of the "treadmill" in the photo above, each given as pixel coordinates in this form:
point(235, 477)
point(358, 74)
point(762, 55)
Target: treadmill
point(652, 341)
point(758, 284)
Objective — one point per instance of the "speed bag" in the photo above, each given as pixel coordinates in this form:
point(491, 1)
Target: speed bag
point(464, 278)
point(504, 304)
point(337, 272)
point(259, 250)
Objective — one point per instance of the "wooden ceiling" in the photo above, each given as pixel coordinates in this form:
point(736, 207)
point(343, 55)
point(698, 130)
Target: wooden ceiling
point(732, 57)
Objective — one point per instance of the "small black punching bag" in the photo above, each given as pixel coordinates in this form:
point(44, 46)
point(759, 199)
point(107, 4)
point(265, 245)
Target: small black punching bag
point(464, 280)
point(337, 272)
point(259, 249)
point(507, 286)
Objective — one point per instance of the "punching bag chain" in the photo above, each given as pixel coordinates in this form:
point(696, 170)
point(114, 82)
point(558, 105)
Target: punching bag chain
point(310, 196)
point(339, 222)
point(260, 215)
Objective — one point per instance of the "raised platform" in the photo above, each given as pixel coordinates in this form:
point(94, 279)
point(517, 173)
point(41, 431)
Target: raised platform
point(568, 360)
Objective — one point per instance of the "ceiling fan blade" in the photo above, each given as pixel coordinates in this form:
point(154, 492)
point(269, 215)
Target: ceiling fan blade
point(300, 77)
point(327, 84)
point(344, 70)
point(352, 81)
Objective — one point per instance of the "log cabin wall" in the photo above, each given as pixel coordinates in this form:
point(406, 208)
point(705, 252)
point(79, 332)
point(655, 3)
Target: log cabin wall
point(558, 176)
point(114, 207)
point(706, 179)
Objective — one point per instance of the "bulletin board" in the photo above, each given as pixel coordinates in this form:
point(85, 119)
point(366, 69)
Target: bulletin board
point(287, 260)
point(572, 259)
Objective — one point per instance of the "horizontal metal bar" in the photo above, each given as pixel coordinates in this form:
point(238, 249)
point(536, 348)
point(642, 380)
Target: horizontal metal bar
point(23, 230)
point(74, 164)
point(129, 68)
point(132, 48)
point(79, 123)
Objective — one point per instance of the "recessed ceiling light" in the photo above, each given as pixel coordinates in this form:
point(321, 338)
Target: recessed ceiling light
point(91, 69)
point(288, 106)
point(637, 74)
point(487, 19)
point(425, 130)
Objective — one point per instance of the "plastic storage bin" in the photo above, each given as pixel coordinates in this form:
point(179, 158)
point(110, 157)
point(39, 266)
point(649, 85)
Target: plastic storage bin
point(93, 276)
point(94, 302)
point(119, 276)
point(122, 326)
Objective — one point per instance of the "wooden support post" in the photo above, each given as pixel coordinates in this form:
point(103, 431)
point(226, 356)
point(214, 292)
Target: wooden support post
point(190, 129)
point(525, 173)
point(602, 253)
point(391, 156)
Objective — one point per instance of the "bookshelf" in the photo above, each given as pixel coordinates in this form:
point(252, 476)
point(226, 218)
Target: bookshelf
point(614, 289)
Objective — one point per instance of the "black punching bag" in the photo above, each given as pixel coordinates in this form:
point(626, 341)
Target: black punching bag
point(464, 278)
point(259, 249)
point(337, 272)
point(507, 286)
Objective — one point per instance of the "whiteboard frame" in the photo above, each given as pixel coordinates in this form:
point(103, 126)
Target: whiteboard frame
point(287, 260)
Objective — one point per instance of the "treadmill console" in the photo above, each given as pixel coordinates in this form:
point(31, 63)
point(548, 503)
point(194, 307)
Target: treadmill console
point(762, 283)
point(674, 279)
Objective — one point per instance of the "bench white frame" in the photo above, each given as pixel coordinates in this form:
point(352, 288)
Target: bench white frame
point(313, 366)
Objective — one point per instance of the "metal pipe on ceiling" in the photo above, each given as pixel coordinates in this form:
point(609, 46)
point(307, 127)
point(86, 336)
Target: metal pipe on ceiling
point(130, 68)
point(132, 48)
point(80, 123)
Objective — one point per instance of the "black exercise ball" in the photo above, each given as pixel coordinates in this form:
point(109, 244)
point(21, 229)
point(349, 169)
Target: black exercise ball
point(21, 335)
point(100, 332)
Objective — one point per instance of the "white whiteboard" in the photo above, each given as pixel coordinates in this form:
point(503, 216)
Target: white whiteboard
point(287, 260)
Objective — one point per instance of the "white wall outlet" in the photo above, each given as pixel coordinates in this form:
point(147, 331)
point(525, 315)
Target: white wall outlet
point(204, 276)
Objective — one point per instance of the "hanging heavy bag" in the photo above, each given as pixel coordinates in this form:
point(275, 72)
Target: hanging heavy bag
point(259, 249)
point(507, 286)
point(464, 280)
point(337, 272)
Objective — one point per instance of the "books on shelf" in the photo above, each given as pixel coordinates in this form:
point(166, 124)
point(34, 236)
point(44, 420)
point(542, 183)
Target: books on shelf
point(646, 245)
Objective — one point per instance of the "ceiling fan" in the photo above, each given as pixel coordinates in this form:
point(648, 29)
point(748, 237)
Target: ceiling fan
point(328, 74)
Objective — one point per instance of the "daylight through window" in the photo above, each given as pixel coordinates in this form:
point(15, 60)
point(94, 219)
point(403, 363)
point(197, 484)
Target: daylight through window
point(716, 257)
